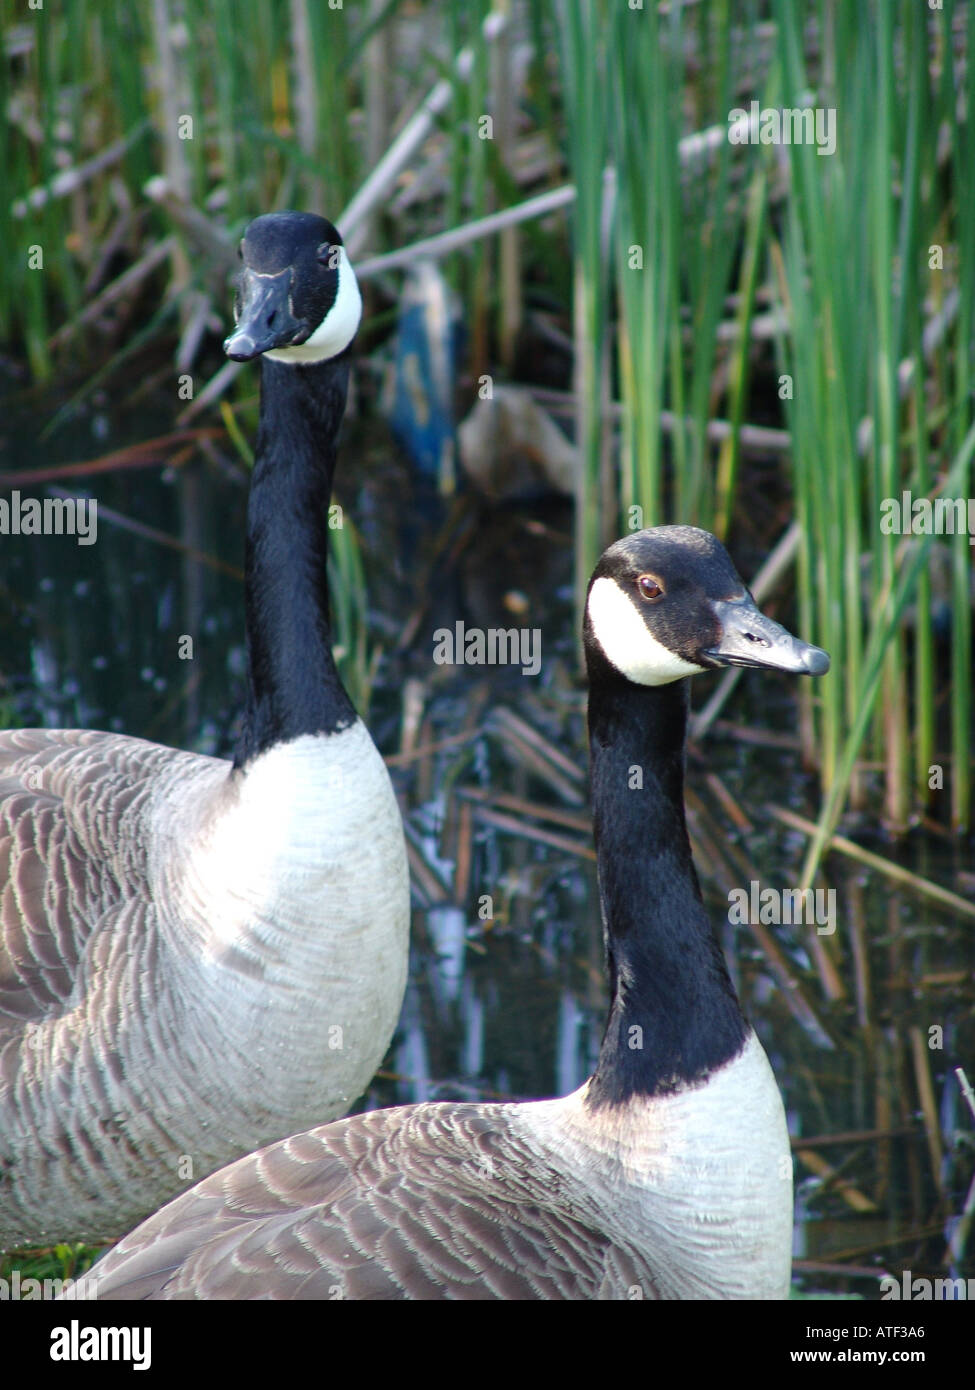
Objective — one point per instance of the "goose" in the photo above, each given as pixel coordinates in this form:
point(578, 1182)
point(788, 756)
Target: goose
point(200, 956)
point(668, 1174)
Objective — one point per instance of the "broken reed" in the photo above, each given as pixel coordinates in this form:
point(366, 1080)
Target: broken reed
point(240, 107)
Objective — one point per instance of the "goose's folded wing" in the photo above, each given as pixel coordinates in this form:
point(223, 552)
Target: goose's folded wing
point(69, 851)
point(421, 1202)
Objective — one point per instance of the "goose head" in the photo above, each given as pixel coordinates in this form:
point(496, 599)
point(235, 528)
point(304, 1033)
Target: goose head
point(297, 297)
point(667, 602)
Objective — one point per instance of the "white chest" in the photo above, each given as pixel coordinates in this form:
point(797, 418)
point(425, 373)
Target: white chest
point(286, 923)
point(300, 852)
point(697, 1185)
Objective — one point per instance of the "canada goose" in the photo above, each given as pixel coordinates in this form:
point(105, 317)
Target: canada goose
point(668, 1174)
point(198, 957)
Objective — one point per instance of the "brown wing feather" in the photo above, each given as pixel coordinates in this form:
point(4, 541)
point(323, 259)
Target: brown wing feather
point(421, 1202)
point(64, 854)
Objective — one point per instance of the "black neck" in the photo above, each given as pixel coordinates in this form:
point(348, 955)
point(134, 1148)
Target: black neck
point(674, 1015)
point(293, 687)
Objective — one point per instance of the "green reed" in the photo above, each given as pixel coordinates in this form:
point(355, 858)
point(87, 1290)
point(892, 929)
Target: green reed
point(661, 242)
point(955, 80)
point(868, 418)
point(582, 33)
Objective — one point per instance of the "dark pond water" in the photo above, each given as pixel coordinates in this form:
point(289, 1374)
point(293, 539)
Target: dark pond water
point(513, 1006)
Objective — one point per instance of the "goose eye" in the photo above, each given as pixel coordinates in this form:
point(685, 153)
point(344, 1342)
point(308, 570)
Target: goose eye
point(326, 255)
point(649, 588)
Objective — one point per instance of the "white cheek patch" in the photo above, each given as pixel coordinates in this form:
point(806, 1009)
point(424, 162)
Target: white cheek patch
point(627, 642)
point(336, 330)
